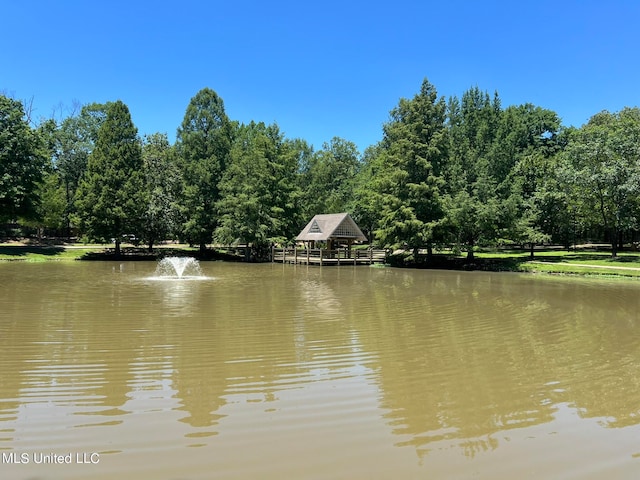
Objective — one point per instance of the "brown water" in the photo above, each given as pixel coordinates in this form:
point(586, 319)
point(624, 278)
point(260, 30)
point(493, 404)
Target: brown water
point(292, 372)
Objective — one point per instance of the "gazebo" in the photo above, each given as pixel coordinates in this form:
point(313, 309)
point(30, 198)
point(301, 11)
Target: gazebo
point(333, 228)
point(337, 230)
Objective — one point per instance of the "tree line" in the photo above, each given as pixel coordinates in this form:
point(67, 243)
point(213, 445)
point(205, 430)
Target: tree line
point(459, 173)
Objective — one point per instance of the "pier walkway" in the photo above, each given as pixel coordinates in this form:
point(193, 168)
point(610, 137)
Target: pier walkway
point(317, 256)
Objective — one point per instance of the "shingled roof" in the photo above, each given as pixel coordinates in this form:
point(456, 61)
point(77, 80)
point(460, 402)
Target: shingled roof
point(331, 226)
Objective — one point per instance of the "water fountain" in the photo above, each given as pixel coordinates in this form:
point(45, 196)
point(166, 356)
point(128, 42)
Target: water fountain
point(179, 268)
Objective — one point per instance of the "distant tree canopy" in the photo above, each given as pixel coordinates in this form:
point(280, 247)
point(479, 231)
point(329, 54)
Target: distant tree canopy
point(164, 183)
point(328, 177)
point(461, 173)
point(601, 169)
point(259, 199)
point(23, 158)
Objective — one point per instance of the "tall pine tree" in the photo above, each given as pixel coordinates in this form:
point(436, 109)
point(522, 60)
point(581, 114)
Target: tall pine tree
point(204, 143)
point(471, 199)
point(408, 180)
point(111, 195)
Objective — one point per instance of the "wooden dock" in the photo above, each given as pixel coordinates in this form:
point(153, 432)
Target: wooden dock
point(317, 256)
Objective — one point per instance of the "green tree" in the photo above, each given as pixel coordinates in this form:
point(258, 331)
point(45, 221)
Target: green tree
point(473, 208)
point(23, 156)
point(366, 202)
point(163, 184)
point(602, 171)
point(329, 177)
point(52, 205)
point(204, 143)
point(111, 197)
point(75, 139)
point(260, 195)
point(410, 166)
point(523, 165)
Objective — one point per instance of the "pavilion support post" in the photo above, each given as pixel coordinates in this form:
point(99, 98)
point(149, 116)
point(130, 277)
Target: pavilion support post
point(355, 254)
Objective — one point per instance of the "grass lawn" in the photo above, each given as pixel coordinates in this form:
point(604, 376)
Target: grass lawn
point(33, 253)
point(631, 259)
point(574, 262)
point(80, 251)
point(572, 269)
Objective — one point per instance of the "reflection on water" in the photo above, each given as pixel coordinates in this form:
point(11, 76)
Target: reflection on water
point(279, 371)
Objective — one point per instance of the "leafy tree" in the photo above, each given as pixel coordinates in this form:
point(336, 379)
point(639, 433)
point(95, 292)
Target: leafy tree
point(522, 131)
point(260, 196)
point(75, 139)
point(472, 203)
point(366, 202)
point(163, 184)
point(52, 204)
point(23, 157)
point(410, 166)
point(523, 166)
point(329, 177)
point(204, 143)
point(304, 153)
point(602, 170)
point(535, 200)
point(111, 197)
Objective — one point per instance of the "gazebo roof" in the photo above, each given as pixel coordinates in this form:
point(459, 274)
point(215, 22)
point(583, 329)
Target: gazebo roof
point(331, 226)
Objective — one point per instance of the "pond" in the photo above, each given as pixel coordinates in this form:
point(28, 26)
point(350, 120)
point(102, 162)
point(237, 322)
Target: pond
point(279, 371)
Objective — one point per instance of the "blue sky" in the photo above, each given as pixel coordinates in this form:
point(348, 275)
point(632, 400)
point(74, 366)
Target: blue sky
point(318, 69)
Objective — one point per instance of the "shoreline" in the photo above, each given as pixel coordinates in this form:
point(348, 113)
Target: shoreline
point(551, 262)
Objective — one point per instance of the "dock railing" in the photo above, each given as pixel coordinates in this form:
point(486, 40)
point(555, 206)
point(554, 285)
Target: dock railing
point(319, 256)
